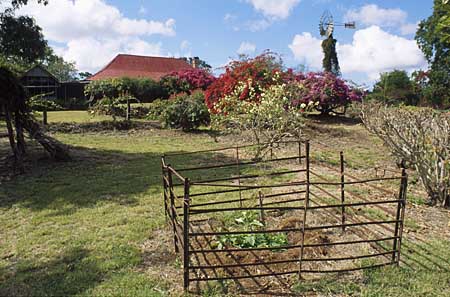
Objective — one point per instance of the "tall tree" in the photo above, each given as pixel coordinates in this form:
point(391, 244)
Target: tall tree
point(61, 69)
point(21, 40)
point(395, 87)
point(330, 61)
point(431, 39)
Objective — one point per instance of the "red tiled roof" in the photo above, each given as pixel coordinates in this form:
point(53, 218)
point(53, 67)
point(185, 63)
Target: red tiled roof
point(140, 66)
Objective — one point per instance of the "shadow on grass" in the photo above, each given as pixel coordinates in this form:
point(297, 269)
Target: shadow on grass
point(95, 176)
point(67, 275)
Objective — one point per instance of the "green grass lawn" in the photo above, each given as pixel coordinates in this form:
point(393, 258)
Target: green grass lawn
point(76, 228)
point(75, 116)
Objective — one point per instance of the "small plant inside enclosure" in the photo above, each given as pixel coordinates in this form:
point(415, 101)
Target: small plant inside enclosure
point(248, 221)
point(419, 136)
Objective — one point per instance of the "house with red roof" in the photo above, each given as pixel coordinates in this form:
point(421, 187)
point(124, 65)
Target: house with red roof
point(142, 67)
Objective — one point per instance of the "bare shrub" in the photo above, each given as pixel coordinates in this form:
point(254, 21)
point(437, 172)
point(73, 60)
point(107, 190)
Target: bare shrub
point(420, 137)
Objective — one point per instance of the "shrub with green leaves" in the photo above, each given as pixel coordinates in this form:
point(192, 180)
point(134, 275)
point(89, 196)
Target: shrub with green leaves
point(143, 89)
point(248, 222)
point(40, 103)
point(186, 112)
point(157, 108)
point(109, 106)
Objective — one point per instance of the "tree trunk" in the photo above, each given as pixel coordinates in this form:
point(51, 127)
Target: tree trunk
point(12, 142)
point(21, 145)
point(57, 150)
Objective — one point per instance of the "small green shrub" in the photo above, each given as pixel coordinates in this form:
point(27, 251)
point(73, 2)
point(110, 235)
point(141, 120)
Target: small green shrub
point(248, 222)
point(108, 106)
point(186, 112)
point(40, 103)
point(157, 108)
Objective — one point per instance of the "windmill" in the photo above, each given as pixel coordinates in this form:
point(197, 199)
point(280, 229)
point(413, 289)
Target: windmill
point(330, 61)
point(327, 24)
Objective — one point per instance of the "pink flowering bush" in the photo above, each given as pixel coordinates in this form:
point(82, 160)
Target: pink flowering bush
point(326, 91)
point(186, 81)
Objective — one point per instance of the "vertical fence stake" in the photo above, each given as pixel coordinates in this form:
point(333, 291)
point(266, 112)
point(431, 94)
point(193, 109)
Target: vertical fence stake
point(342, 190)
point(299, 152)
point(164, 189)
point(173, 216)
point(44, 118)
point(396, 244)
point(262, 217)
point(239, 175)
point(186, 204)
point(402, 214)
point(305, 209)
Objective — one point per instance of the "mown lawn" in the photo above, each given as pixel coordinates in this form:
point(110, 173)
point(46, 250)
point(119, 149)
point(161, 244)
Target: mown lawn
point(76, 228)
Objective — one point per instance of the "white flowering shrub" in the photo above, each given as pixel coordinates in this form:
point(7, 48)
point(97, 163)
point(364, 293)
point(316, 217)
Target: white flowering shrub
point(272, 119)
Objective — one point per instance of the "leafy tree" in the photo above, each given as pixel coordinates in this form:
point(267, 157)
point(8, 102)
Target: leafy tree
point(21, 39)
point(431, 38)
point(61, 69)
point(330, 61)
point(395, 87)
point(84, 75)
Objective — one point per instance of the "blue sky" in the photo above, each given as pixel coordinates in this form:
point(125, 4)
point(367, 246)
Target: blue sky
point(92, 32)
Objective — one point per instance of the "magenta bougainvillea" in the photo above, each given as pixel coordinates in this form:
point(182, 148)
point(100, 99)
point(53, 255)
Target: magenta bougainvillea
point(187, 80)
point(326, 90)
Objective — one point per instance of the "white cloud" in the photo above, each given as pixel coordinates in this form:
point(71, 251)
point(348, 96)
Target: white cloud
point(246, 48)
point(186, 49)
point(307, 50)
point(277, 9)
point(91, 54)
point(94, 31)
point(229, 17)
point(371, 14)
point(409, 28)
point(258, 25)
point(185, 45)
point(372, 51)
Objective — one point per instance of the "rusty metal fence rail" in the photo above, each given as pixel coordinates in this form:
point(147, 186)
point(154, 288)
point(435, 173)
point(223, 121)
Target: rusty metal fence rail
point(317, 202)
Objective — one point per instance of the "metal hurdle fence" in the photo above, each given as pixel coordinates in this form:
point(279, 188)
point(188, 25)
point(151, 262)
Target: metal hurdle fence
point(192, 196)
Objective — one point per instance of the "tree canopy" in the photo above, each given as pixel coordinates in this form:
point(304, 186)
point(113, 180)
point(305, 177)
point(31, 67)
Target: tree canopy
point(21, 39)
point(395, 87)
point(432, 38)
